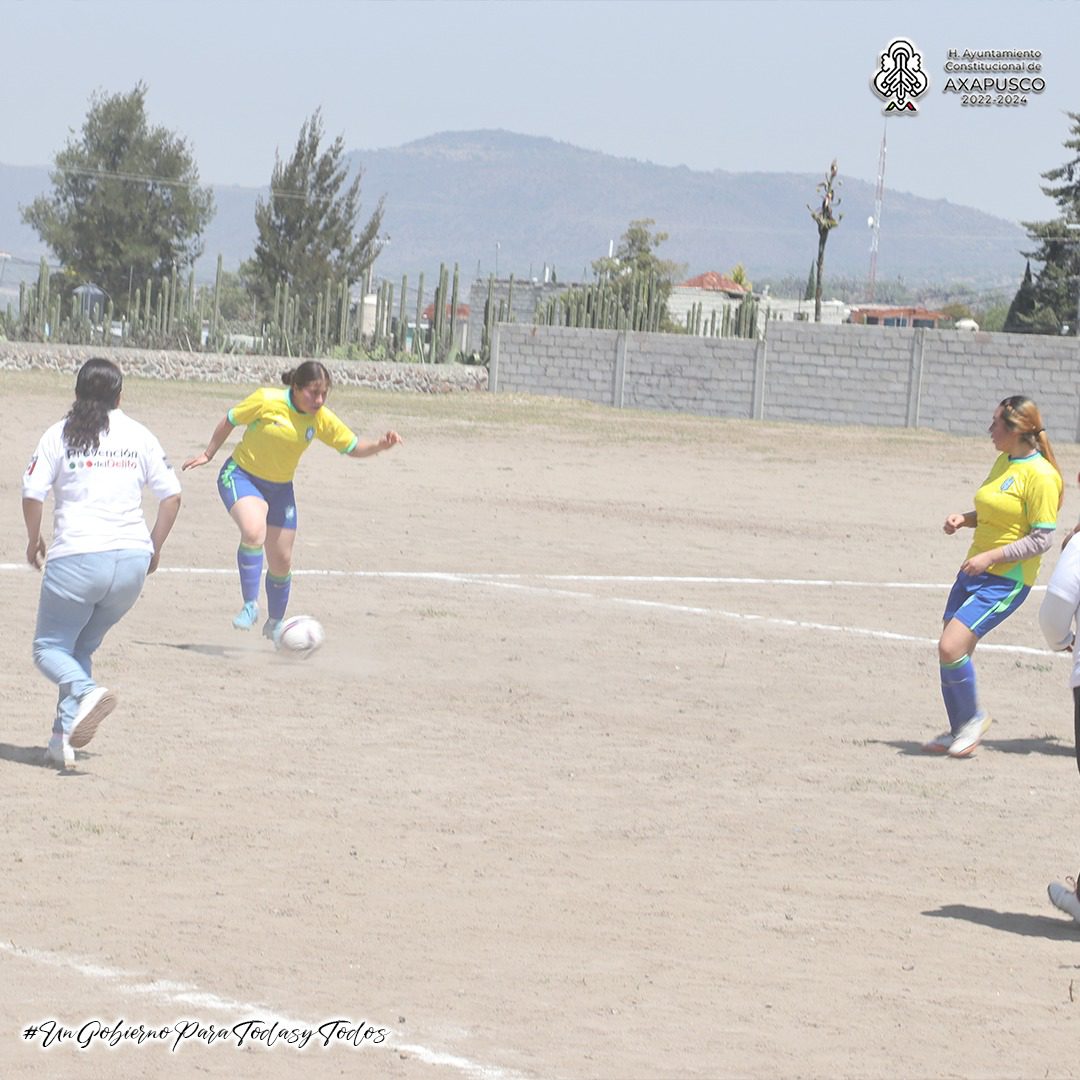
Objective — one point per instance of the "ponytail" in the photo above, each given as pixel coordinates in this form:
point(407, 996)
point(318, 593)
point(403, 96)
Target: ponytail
point(1021, 415)
point(308, 372)
point(97, 391)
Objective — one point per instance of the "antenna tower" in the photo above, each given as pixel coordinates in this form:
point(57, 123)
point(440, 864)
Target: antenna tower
point(875, 221)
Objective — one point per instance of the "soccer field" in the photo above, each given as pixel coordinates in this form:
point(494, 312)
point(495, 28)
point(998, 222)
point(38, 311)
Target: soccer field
point(608, 767)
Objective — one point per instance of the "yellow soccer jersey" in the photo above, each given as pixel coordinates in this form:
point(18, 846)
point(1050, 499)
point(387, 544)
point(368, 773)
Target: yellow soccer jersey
point(1019, 495)
point(277, 434)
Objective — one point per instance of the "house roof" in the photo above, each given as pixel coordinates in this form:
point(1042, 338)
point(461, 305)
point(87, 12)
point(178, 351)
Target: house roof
point(714, 282)
point(462, 310)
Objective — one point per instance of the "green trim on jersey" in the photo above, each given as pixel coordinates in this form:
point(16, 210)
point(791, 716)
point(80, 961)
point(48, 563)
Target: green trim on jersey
point(1017, 496)
point(277, 433)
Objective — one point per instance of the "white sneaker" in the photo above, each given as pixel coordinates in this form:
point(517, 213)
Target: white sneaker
point(970, 735)
point(93, 708)
point(1064, 899)
point(939, 744)
point(59, 753)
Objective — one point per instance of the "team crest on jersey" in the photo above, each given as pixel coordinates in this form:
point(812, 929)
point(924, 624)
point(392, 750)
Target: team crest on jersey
point(309, 434)
point(1008, 483)
point(33, 464)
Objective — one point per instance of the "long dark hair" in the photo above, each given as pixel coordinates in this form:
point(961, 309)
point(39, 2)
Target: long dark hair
point(97, 390)
point(308, 372)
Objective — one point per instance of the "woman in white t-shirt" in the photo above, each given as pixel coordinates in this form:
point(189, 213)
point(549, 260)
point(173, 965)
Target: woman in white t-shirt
point(96, 461)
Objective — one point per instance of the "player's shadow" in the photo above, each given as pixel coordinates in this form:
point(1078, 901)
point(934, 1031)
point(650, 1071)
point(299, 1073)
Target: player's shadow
point(1012, 922)
point(220, 651)
point(35, 757)
point(1044, 744)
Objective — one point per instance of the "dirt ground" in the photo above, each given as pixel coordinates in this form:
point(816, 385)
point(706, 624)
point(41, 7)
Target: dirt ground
point(544, 805)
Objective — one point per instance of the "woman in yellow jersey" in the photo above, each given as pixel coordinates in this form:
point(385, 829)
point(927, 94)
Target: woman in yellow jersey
point(1014, 519)
point(255, 483)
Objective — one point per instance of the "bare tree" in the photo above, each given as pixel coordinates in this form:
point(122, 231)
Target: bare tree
point(826, 221)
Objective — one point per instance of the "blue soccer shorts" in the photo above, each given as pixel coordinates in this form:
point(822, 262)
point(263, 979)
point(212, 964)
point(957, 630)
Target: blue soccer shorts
point(234, 483)
point(983, 601)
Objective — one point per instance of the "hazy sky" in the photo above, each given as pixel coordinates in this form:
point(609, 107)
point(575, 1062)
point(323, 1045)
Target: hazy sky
point(768, 85)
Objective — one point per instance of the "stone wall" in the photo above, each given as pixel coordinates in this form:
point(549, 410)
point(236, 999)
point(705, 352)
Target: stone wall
point(253, 370)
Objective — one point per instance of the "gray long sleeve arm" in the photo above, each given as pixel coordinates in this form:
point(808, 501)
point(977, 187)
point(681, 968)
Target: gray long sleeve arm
point(1037, 542)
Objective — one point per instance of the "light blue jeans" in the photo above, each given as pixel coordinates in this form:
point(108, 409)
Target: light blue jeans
point(82, 598)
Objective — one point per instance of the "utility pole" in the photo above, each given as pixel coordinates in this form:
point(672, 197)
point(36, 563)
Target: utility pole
point(875, 221)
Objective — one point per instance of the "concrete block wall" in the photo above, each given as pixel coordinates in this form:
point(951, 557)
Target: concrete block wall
point(837, 374)
point(554, 360)
point(947, 380)
point(965, 376)
point(526, 296)
point(714, 376)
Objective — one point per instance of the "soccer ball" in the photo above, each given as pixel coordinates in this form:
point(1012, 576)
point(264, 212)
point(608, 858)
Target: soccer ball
point(300, 635)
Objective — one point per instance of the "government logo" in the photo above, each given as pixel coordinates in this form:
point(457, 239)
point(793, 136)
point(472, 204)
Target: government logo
point(900, 78)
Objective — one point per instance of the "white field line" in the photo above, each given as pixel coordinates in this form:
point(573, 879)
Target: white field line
point(771, 620)
point(659, 579)
point(512, 582)
point(172, 993)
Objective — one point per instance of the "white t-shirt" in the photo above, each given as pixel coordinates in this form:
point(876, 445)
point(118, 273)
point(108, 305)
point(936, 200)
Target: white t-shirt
point(98, 495)
point(1060, 606)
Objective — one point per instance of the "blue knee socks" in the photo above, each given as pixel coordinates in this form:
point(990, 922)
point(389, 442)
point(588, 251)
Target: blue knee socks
point(277, 595)
point(249, 561)
point(959, 692)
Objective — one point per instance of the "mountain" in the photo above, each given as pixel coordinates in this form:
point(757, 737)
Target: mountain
point(480, 196)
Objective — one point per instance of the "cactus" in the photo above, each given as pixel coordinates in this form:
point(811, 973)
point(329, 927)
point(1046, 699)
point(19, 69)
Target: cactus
point(453, 312)
point(164, 307)
point(438, 344)
point(418, 344)
point(43, 290)
point(174, 299)
point(489, 320)
point(216, 315)
point(402, 319)
point(378, 317)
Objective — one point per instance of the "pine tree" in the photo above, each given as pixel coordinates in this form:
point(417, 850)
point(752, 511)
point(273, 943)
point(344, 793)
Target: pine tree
point(307, 227)
point(1056, 292)
point(811, 284)
point(1018, 320)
